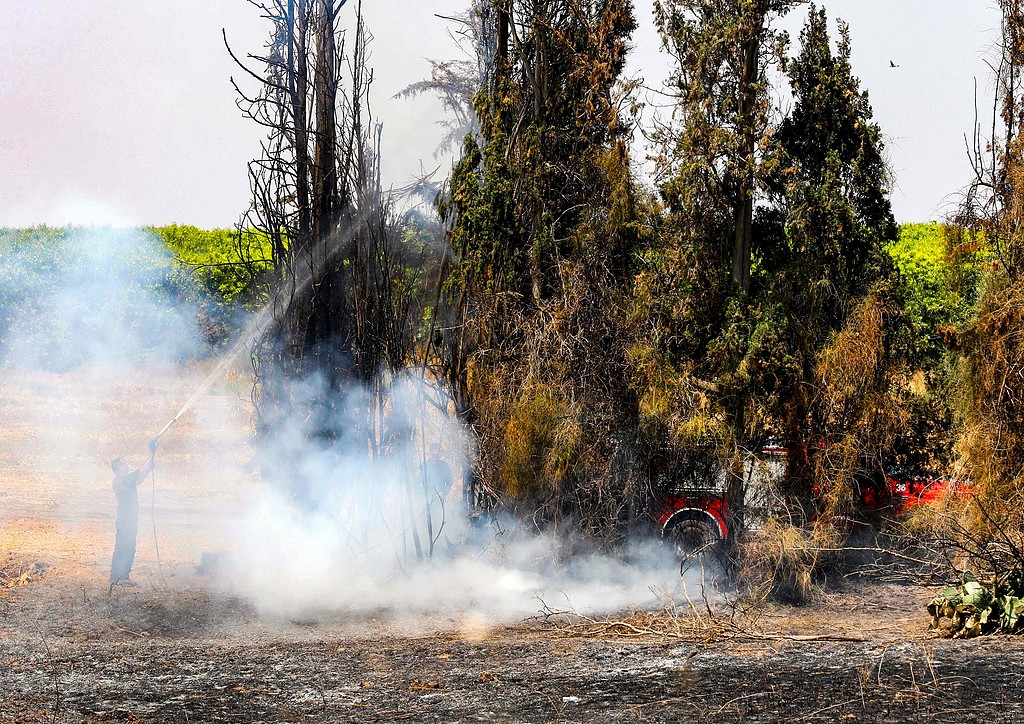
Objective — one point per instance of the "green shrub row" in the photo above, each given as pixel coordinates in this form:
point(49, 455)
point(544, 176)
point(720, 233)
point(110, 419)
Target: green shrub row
point(217, 273)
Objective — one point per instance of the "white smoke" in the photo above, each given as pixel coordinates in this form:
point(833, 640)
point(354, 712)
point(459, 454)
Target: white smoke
point(370, 534)
point(95, 298)
point(99, 342)
point(347, 525)
point(298, 564)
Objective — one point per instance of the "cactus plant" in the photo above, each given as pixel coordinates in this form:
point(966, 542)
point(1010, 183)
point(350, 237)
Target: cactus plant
point(973, 609)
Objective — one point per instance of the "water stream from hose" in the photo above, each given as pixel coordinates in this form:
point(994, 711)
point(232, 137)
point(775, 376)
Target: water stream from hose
point(258, 325)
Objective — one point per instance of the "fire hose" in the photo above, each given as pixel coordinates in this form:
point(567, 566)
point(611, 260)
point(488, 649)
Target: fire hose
point(188, 403)
point(153, 443)
point(152, 517)
point(152, 501)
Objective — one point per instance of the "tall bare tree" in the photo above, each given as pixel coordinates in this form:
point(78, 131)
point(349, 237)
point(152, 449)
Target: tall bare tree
point(317, 197)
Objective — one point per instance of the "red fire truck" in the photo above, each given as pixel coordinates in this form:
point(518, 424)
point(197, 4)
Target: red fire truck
point(695, 519)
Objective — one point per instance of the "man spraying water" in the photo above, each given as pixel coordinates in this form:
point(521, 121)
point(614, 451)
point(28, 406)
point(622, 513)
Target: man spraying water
point(126, 488)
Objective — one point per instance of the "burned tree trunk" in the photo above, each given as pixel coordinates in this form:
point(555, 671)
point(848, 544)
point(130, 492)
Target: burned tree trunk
point(318, 198)
point(504, 21)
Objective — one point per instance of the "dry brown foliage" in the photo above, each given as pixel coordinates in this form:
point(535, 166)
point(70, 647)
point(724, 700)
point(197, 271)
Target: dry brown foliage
point(782, 560)
point(992, 446)
point(857, 402)
point(992, 367)
point(554, 410)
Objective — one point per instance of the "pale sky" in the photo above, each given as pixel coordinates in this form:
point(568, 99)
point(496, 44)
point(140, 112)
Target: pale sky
point(121, 111)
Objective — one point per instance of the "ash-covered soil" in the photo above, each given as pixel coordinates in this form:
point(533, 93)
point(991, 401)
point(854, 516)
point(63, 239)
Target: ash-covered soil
point(71, 651)
point(179, 648)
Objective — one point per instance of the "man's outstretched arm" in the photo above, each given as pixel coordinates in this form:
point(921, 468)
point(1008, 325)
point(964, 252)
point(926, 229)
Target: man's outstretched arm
point(150, 464)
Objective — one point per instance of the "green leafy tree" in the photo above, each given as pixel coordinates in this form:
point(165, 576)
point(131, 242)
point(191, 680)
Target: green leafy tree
point(830, 195)
point(716, 155)
point(775, 361)
point(719, 148)
point(234, 267)
point(940, 269)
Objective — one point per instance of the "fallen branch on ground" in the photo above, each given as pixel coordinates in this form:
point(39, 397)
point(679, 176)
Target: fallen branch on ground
point(666, 624)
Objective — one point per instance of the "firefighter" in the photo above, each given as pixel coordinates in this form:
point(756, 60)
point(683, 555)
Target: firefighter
point(126, 488)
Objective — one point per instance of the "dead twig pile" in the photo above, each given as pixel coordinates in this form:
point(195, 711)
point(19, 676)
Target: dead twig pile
point(702, 628)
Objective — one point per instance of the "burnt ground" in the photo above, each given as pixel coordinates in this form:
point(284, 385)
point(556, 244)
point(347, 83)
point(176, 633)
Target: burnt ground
point(72, 651)
point(177, 649)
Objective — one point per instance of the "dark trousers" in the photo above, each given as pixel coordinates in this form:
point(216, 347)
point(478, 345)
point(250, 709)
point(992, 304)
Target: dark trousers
point(124, 550)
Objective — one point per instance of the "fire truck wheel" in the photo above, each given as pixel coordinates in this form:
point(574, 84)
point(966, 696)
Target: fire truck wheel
point(693, 535)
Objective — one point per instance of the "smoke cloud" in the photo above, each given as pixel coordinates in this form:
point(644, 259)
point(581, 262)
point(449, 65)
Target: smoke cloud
point(100, 341)
point(376, 535)
point(102, 328)
point(94, 299)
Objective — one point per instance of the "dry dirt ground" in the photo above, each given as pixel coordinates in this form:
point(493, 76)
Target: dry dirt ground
point(177, 649)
